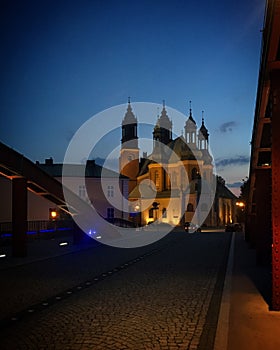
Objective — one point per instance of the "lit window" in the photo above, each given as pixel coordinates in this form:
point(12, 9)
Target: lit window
point(157, 179)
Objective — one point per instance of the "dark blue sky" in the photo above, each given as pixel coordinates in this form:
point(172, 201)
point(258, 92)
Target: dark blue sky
point(64, 61)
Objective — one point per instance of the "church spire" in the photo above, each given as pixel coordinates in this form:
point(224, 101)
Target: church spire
point(190, 129)
point(129, 128)
point(203, 135)
point(163, 128)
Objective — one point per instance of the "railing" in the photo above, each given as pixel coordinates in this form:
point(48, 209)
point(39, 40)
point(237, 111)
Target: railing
point(120, 222)
point(44, 226)
point(38, 226)
point(40, 229)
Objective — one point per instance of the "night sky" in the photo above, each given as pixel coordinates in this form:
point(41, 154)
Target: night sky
point(64, 61)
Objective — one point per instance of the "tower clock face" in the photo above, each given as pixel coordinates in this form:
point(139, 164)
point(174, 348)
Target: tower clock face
point(130, 157)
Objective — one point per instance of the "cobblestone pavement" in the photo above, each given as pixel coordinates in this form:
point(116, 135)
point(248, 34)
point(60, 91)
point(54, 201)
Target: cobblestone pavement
point(160, 299)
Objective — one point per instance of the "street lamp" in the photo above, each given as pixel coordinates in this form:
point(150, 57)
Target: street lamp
point(241, 205)
point(53, 214)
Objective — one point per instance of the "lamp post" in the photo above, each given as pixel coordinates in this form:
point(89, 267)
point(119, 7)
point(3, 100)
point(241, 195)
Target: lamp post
point(241, 211)
point(155, 208)
point(138, 214)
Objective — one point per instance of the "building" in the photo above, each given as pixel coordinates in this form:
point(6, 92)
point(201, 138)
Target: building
point(263, 205)
point(175, 183)
point(99, 186)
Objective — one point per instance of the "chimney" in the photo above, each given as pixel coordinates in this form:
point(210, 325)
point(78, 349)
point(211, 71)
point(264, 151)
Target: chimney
point(49, 161)
point(91, 162)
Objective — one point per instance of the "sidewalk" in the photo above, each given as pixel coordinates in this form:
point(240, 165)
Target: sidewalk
point(41, 249)
point(245, 321)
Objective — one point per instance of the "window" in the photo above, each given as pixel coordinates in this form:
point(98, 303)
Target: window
point(82, 191)
point(194, 173)
point(157, 179)
point(151, 213)
point(190, 207)
point(110, 191)
point(164, 213)
point(110, 213)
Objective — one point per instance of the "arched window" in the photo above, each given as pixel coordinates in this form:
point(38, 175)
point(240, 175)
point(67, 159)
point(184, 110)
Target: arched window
point(151, 213)
point(190, 207)
point(164, 213)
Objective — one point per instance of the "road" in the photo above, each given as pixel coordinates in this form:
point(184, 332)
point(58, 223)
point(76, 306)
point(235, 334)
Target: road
point(161, 296)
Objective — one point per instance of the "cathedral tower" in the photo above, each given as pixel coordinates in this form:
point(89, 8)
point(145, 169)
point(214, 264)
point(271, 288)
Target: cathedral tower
point(129, 154)
point(163, 129)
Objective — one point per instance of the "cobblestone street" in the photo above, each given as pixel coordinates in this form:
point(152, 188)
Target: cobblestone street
point(162, 296)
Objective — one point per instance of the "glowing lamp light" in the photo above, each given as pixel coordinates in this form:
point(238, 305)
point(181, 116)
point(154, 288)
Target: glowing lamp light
point(53, 214)
point(63, 243)
point(2, 255)
point(240, 204)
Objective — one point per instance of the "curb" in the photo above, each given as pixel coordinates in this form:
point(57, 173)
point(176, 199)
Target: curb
point(221, 338)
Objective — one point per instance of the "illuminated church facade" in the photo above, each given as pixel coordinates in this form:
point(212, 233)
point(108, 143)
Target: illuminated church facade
point(175, 183)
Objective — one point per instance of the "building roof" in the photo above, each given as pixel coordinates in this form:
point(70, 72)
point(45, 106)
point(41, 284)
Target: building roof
point(91, 169)
point(223, 192)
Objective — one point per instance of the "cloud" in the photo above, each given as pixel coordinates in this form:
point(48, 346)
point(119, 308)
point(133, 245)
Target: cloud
point(237, 160)
point(227, 127)
point(235, 185)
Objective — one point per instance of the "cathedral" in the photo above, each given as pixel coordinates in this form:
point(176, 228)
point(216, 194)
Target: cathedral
point(174, 184)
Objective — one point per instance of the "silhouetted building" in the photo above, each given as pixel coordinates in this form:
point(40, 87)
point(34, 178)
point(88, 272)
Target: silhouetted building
point(263, 207)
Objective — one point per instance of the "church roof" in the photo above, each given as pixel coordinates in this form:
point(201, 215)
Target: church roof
point(182, 150)
point(223, 192)
point(179, 147)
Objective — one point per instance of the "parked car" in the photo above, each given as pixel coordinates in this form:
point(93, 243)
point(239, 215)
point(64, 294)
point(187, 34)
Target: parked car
point(234, 227)
point(190, 227)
